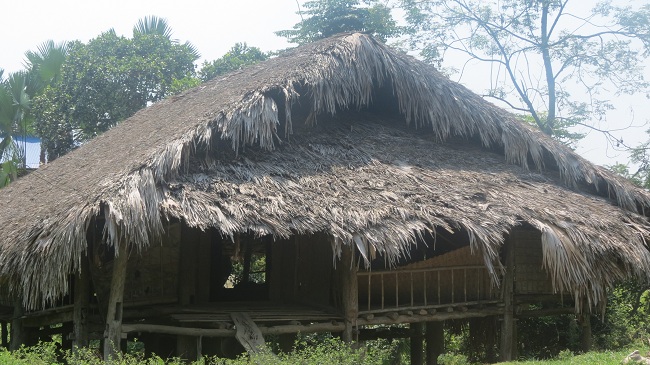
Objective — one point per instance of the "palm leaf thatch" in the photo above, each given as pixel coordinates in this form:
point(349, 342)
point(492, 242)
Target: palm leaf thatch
point(278, 149)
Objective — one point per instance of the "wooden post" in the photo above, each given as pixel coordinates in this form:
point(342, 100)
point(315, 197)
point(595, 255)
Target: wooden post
point(80, 312)
point(188, 347)
point(18, 332)
point(584, 320)
point(349, 292)
point(417, 346)
point(508, 326)
point(113, 333)
point(5, 335)
point(435, 340)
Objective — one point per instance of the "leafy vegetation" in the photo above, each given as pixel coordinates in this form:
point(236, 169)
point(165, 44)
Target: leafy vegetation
point(551, 59)
point(238, 57)
point(328, 17)
point(106, 81)
point(326, 351)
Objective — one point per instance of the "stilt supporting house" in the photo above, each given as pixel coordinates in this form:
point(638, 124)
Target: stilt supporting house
point(18, 331)
point(435, 340)
point(417, 343)
point(586, 340)
point(347, 269)
point(81, 306)
point(508, 325)
point(114, 314)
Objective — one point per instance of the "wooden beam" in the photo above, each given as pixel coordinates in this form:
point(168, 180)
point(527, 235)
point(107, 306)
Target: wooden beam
point(546, 312)
point(435, 339)
point(439, 316)
point(349, 291)
point(48, 319)
point(508, 325)
point(113, 333)
point(81, 306)
point(225, 332)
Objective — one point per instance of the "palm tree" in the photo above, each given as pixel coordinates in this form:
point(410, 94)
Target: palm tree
point(153, 25)
point(45, 65)
point(14, 109)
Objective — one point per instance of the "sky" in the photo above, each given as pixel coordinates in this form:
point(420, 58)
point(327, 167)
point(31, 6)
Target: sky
point(214, 26)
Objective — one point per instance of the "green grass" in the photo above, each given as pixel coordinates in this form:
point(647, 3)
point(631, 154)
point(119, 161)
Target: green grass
point(329, 351)
point(590, 358)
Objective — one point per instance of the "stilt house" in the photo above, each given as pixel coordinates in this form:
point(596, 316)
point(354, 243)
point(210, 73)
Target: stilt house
point(336, 187)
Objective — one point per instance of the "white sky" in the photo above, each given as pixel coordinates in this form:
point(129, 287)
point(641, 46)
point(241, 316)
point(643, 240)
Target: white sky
point(213, 27)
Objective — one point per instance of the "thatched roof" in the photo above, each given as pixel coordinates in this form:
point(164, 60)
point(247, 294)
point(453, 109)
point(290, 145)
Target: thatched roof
point(226, 155)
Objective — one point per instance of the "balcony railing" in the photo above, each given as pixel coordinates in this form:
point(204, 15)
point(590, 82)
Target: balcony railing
point(409, 289)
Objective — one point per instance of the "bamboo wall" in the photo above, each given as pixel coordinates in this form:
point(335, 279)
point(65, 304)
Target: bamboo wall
point(531, 278)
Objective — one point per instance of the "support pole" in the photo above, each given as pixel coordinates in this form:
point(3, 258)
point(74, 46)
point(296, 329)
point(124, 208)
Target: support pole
point(349, 292)
point(5, 335)
point(585, 330)
point(18, 332)
point(80, 312)
point(435, 340)
point(417, 345)
point(113, 333)
point(508, 326)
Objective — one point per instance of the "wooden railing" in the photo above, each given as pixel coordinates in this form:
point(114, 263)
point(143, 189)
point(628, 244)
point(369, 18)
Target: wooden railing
point(423, 288)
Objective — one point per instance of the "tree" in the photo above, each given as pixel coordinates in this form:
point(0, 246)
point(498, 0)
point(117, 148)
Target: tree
point(238, 57)
point(106, 81)
point(14, 119)
point(541, 53)
point(329, 17)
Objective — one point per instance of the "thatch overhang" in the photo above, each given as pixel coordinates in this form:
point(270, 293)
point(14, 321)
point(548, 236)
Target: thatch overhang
point(169, 159)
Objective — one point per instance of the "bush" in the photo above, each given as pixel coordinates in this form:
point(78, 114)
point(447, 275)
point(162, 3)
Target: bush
point(453, 359)
point(326, 351)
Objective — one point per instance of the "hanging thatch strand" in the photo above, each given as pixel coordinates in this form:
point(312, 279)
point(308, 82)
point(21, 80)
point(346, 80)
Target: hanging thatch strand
point(148, 165)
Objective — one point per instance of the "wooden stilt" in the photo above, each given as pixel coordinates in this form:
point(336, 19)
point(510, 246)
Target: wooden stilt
point(188, 347)
point(349, 292)
point(80, 312)
point(286, 342)
point(113, 333)
point(5, 335)
point(585, 334)
point(18, 331)
point(508, 326)
point(417, 345)
point(435, 340)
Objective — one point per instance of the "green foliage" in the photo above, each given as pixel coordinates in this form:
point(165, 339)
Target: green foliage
point(546, 337)
point(327, 351)
point(590, 358)
point(238, 57)
point(45, 64)
point(45, 353)
point(627, 317)
point(106, 81)
point(453, 359)
point(640, 158)
point(543, 56)
point(329, 17)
